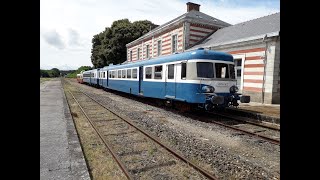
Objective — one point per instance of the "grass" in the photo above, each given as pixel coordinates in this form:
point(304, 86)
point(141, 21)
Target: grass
point(44, 79)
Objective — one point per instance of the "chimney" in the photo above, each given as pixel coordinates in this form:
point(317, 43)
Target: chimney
point(192, 6)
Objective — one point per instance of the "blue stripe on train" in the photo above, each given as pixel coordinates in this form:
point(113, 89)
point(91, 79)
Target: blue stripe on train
point(180, 91)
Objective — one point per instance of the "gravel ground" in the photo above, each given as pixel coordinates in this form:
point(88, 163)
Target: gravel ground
point(226, 153)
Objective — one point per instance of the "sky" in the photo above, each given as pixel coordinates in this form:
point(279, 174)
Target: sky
point(68, 26)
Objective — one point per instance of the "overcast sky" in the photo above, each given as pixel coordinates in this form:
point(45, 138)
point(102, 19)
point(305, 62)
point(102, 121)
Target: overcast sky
point(67, 26)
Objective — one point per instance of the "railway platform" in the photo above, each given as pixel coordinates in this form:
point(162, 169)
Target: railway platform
point(263, 112)
point(61, 156)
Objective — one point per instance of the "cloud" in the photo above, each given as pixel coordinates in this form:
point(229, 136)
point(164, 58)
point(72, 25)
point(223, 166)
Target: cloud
point(54, 39)
point(74, 38)
point(70, 25)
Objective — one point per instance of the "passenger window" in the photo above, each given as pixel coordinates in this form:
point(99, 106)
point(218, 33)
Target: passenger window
point(171, 71)
point(134, 73)
point(119, 73)
point(158, 72)
point(124, 73)
point(183, 70)
point(128, 73)
point(148, 72)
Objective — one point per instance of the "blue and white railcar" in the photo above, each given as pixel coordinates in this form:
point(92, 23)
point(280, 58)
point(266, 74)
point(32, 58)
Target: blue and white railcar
point(202, 77)
point(91, 77)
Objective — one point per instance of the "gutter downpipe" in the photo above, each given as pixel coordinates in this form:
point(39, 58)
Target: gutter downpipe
point(265, 66)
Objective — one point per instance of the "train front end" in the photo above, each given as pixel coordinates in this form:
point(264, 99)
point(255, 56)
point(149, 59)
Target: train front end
point(216, 77)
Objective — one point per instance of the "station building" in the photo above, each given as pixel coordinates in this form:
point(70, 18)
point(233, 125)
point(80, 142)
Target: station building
point(254, 44)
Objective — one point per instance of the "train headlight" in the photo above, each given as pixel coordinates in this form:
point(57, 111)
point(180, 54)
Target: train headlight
point(234, 89)
point(208, 89)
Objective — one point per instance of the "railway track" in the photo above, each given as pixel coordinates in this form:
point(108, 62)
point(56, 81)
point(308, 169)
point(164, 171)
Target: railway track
point(240, 124)
point(138, 153)
point(267, 132)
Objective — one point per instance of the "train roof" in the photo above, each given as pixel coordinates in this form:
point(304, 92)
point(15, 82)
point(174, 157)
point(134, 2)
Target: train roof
point(196, 54)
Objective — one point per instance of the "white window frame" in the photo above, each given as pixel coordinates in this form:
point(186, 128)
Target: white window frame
point(176, 34)
point(147, 51)
point(130, 55)
point(242, 57)
point(159, 52)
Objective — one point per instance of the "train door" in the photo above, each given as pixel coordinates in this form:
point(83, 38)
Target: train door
point(101, 78)
point(140, 79)
point(107, 78)
point(170, 80)
point(98, 77)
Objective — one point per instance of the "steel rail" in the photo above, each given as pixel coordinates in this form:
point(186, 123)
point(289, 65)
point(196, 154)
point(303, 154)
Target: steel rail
point(271, 140)
point(115, 156)
point(243, 120)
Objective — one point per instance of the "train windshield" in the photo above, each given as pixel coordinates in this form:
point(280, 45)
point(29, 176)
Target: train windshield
point(222, 70)
point(205, 70)
point(215, 70)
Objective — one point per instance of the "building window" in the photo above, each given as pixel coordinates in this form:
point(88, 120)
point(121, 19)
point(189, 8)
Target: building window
point(159, 48)
point(174, 43)
point(138, 54)
point(130, 55)
point(238, 68)
point(147, 51)
point(148, 72)
point(128, 73)
point(119, 73)
point(158, 72)
point(171, 71)
point(183, 70)
point(134, 73)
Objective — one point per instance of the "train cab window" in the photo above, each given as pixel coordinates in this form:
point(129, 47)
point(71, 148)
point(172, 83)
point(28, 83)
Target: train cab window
point(134, 73)
point(128, 73)
point(104, 74)
point(222, 70)
point(232, 72)
point(148, 72)
point(205, 70)
point(183, 70)
point(171, 71)
point(110, 74)
point(119, 73)
point(158, 72)
point(124, 73)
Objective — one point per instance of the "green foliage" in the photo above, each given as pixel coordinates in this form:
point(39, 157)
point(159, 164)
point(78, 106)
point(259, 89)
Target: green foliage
point(109, 46)
point(74, 74)
point(54, 72)
point(44, 73)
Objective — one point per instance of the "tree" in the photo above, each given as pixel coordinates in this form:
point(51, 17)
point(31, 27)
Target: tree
point(74, 74)
point(109, 46)
point(44, 73)
point(54, 72)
